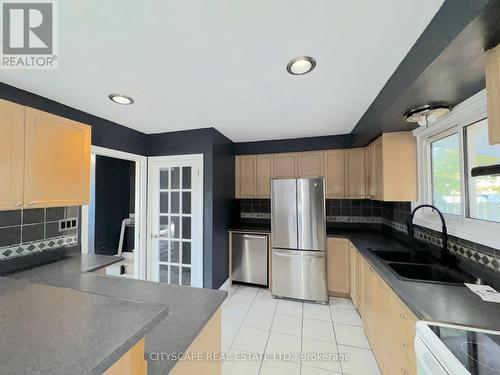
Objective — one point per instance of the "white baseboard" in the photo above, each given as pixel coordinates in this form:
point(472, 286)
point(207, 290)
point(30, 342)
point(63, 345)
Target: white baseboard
point(226, 285)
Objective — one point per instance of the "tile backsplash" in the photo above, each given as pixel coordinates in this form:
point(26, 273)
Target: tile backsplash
point(393, 215)
point(24, 232)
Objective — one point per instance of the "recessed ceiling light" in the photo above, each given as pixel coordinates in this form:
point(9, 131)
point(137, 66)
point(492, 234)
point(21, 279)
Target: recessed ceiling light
point(301, 65)
point(121, 99)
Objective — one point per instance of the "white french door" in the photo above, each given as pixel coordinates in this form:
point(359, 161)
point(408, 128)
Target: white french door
point(175, 226)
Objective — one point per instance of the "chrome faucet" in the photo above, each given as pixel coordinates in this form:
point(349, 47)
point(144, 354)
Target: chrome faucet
point(444, 252)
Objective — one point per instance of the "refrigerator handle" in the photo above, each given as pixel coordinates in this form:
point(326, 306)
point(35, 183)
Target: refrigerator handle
point(294, 253)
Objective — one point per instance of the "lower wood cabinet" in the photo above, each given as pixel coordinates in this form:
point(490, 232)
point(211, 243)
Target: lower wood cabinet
point(338, 266)
point(389, 324)
point(131, 363)
point(207, 343)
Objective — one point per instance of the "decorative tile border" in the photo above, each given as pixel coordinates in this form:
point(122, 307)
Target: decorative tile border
point(255, 215)
point(426, 236)
point(15, 251)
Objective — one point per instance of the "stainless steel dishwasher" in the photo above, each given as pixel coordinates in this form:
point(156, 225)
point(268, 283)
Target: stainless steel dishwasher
point(249, 258)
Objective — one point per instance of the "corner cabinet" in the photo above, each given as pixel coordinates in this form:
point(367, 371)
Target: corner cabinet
point(392, 160)
point(11, 155)
point(493, 94)
point(45, 159)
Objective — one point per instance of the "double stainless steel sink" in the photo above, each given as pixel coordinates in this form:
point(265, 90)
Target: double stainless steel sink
point(421, 266)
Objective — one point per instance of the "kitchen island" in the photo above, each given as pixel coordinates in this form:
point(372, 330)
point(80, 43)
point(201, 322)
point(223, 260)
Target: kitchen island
point(192, 323)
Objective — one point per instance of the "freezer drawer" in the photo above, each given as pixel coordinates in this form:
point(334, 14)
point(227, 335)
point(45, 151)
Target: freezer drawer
point(299, 274)
point(249, 258)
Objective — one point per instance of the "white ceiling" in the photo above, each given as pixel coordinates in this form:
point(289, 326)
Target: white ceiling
point(221, 63)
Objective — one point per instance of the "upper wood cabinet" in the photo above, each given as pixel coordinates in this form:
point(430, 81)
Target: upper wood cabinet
point(370, 168)
point(393, 167)
point(264, 175)
point(248, 175)
point(253, 176)
point(493, 93)
point(338, 266)
point(285, 165)
point(334, 172)
point(310, 164)
point(355, 167)
point(57, 161)
point(11, 155)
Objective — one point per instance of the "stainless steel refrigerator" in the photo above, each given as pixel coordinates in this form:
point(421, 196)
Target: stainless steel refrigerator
point(298, 233)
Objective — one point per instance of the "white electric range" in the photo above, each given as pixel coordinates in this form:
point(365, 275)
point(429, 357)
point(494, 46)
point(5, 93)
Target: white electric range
point(445, 349)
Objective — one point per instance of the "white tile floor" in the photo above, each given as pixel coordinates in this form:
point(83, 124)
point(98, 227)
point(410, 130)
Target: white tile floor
point(262, 335)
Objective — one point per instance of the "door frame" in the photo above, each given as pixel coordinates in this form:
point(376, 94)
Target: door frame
point(151, 164)
point(140, 241)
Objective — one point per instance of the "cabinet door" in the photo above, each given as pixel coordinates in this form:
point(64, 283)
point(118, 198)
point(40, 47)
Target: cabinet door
point(285, 165)
point(355, 173)
point(237, 176)
point(368, 299)
point(370, 171)
point(11, 155)
point(57, 161)
point(264, 174)
point(352, 274)
point(310, 164)
point(378, 177)
point(338, 266)
point(334, 173)
point(248, 176)
point(493, 94)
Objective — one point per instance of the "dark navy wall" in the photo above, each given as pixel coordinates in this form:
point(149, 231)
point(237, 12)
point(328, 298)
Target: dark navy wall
point(104, 133)
point(223, 201)
point(112, 202)
point(218, 176)
point(294, 145)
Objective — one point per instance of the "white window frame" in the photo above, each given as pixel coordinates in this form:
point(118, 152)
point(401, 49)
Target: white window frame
point(466, 113)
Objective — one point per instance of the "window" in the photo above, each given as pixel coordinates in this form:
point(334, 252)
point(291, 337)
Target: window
point(446, 192)
point(484, 191)
point(458, 173)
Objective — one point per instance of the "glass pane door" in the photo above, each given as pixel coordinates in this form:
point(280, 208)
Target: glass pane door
point(176, 244)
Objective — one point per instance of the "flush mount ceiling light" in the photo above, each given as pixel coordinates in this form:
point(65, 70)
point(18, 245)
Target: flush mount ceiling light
point(121, 99)
point(301, 65)
point(427, 114)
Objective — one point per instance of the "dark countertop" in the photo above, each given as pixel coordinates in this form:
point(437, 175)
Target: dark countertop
point(429, 301)
point(50, 330)
point(189, 308)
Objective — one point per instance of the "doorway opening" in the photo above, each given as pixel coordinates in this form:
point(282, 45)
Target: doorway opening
point(115, 216)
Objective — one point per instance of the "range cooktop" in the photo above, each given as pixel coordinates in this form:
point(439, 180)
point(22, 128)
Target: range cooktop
point(478, 351)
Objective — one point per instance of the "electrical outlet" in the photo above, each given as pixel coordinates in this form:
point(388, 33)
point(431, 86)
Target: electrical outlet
point(67, 224)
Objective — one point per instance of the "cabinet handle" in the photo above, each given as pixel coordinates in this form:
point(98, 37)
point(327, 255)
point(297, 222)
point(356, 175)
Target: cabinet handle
point(18, 204)
point(403, 344)
point(31, 204)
